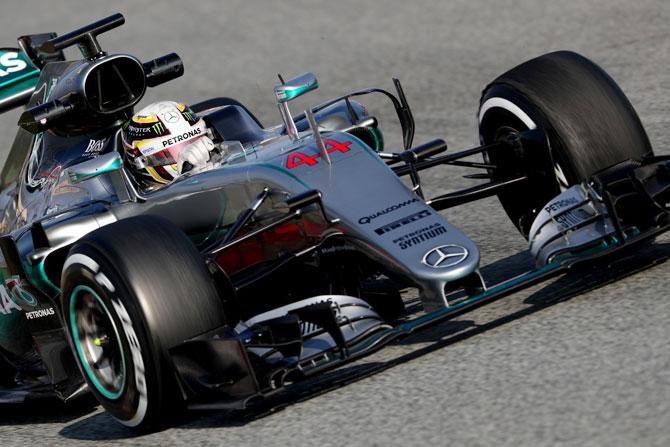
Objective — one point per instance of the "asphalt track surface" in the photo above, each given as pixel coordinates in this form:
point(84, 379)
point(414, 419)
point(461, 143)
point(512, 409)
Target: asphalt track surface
point(584, 360)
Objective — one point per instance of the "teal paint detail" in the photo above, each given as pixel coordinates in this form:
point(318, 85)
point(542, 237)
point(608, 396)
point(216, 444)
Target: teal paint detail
point(409, 326)
point(607, 242)
point(37, 276)
point(34, 74)
point(75, 339)
point(81, 175)
point(46, 279)
point(493, 290)
point(288, 94)
point(296, 87)
point(18, 292)
point(379, 140)
point(15, 335)
point(201, 240)
point(17, 73)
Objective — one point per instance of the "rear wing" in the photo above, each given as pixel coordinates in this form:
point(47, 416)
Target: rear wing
point(20, 69)
point(18, 77)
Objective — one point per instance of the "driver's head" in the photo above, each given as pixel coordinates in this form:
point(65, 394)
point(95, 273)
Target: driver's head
point(155, 136)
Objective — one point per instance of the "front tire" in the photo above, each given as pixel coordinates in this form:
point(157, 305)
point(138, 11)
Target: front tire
point(588, 121)
point(131, 291)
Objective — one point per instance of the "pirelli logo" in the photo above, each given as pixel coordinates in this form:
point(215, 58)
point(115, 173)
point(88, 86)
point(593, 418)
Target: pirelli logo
point(402, 222)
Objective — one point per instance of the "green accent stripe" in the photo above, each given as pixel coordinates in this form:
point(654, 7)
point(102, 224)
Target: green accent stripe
point(492, 291)
point(375, 135)
point(38, 277)
point(46, 279)
point(20, 77)
point(75, 339)
point(112, 165)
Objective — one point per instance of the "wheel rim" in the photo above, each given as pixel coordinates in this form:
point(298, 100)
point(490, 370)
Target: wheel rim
point(518, 120)
point(97, 342)
point(496, 122)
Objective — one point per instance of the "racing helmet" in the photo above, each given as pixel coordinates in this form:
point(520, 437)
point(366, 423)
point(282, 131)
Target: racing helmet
point(155, 136)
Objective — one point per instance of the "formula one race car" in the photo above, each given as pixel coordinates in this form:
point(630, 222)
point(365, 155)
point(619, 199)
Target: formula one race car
point(294, 252)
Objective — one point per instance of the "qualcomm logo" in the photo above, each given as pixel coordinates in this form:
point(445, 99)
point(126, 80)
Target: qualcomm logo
point(445, 256)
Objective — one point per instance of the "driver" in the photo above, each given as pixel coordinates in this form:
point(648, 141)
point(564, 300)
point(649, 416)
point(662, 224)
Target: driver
point(164, 140)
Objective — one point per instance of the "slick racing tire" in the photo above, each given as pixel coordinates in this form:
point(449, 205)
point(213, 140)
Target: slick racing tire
point(589, 123)
point(131, 291)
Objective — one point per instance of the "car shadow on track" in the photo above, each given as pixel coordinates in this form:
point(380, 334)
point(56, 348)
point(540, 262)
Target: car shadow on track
point(601, 274)
point(508, 267)
point(45, 411)
point(574, 283)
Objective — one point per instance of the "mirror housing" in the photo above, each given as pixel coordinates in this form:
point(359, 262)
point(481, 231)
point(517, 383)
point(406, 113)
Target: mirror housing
point(295, 87)
point(287, 91)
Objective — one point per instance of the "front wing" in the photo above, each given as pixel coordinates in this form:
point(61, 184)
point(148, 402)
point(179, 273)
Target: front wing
point(231, 367)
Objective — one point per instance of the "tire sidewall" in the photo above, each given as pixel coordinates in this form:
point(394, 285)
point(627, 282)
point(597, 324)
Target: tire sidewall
point(142, 388)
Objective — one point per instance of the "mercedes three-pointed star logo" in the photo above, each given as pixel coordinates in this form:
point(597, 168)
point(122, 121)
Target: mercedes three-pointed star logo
point(445, 256)
point(171, 116)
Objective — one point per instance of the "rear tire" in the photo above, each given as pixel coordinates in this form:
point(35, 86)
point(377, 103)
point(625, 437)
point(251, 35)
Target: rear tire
point(589, 122)
point(131, 291)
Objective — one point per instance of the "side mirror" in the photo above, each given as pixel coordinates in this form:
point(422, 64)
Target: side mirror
point(295, 87)
point(94, 167)
point(287, 91)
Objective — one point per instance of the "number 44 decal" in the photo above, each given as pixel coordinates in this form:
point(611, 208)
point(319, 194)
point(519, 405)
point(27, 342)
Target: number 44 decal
point(296, 159)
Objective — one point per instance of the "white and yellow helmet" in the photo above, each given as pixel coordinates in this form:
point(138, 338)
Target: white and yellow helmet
point(154, 137)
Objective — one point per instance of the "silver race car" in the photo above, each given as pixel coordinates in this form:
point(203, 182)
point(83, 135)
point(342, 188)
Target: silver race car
point(296, 250)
